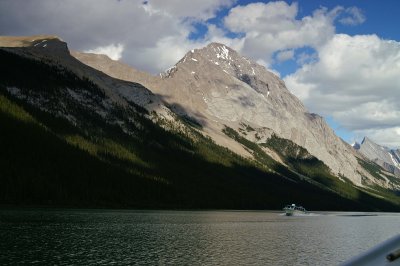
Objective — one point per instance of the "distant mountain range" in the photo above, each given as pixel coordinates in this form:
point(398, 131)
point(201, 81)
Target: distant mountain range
point(388, 159)
point(214, 131)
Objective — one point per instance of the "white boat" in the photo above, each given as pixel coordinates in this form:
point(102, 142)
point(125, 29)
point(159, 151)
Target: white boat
point(292, 209)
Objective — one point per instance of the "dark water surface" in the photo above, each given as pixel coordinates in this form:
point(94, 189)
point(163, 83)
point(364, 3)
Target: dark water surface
point(96, 237)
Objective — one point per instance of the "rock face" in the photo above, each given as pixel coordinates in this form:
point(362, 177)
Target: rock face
point(113, 68)
point(383, 156)
point(232, 89)
point(217, 86)
point(54, 52)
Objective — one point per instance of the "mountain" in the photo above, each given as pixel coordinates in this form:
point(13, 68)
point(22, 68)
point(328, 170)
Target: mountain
point(212, 132)
point(218, 87)
point(387, 158)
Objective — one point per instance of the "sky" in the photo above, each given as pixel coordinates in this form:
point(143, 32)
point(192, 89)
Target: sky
point(340, 58)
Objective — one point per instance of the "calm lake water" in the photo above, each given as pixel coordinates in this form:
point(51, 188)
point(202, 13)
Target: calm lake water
point(95, 237)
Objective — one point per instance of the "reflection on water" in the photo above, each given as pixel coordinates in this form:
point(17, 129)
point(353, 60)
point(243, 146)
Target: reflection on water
point(186, 237)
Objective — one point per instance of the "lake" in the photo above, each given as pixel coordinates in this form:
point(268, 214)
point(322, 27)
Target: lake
point(96, 237)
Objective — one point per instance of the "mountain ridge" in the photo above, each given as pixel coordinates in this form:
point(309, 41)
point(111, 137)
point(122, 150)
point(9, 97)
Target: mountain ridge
point(389, 159)
point(201, 120)
point(218, 85)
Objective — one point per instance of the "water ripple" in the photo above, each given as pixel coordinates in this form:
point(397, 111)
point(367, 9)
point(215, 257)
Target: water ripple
point(93, 237)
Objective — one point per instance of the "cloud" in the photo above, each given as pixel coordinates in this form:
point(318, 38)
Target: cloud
point(274, 26)
point(353, 16)
point(139, 27)
point(356, 80)
point(306, 58)
point(114, 51)
point(149, 29)
point(259, 17)
point(379, 114)
point(195, 9)
point(282, 56)
point(165, 53)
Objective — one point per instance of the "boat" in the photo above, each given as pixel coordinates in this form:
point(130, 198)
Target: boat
point(292, 209)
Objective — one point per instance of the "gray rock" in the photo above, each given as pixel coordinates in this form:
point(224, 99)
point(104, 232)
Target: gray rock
point(227, 88)
point(381, 155)
point(218, 87)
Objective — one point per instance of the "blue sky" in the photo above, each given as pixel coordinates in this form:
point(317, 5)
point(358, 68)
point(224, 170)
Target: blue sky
point(340, 58)
point(380, 18)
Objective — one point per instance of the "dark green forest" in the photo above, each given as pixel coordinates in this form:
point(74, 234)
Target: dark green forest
point(46, 160)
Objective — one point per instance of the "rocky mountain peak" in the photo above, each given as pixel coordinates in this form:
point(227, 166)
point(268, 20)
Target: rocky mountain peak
point(219, 51)
point(227, 59)
point(213, 51)
point(218, 62)
point(27, 41)
point(218, 87)
point(40, 46)
point(366, 140)
point(221, 58)
point(219, 71)
point(370, 143)
point(383, 156)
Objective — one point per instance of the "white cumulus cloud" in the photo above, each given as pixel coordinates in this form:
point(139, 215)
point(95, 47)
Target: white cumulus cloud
point(353, 16)
point(274, 26)
point(196, 9)
point(152, 33)
point(285, 55)
point(114, 51)
point(356, 80)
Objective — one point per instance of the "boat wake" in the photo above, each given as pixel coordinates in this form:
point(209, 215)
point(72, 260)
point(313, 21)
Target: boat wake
point(301, 214)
